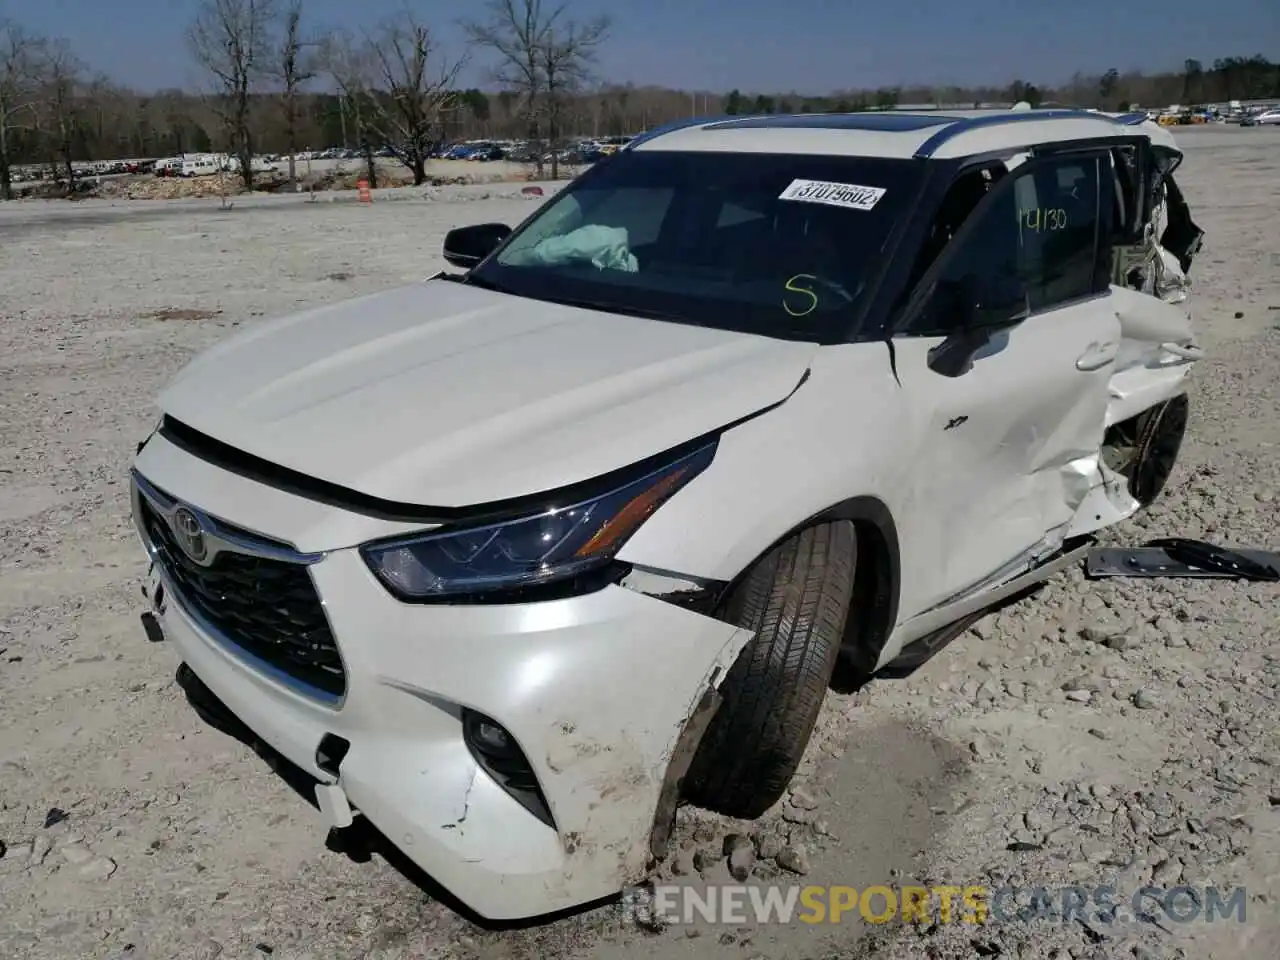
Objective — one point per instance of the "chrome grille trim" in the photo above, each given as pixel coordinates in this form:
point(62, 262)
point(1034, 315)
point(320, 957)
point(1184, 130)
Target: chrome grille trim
point(222, 536)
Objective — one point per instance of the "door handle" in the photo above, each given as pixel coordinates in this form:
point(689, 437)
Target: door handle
point(1097, 356)
point(1184, 351)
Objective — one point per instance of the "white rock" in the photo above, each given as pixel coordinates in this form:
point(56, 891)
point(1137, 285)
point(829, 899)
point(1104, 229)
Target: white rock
point(75, 853)
point(801, 799)
point(794, 859)
point(98, 869)
point(1145, 700)
point(19, 853)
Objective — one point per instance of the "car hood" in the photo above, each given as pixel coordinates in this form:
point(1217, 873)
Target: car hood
point(445, 394)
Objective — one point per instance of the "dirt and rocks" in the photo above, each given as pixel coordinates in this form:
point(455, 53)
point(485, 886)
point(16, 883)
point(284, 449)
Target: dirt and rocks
point(1120, 733)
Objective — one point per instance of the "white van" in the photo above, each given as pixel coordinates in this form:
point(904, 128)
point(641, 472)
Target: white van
point(199, 166)
point(258, 165)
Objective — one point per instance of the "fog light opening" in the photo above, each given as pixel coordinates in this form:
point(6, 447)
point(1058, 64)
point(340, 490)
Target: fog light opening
point(497, 753)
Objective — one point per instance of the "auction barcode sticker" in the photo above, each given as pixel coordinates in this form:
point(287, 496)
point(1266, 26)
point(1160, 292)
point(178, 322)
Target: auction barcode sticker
point(848, 195)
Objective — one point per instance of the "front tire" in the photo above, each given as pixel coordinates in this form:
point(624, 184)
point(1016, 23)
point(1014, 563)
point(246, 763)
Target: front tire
point(797, 600)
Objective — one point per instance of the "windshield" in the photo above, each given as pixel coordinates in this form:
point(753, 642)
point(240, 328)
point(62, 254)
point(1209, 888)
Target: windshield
point(779, 245)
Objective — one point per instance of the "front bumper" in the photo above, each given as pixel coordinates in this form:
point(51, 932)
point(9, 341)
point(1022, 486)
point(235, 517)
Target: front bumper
point(595, 689)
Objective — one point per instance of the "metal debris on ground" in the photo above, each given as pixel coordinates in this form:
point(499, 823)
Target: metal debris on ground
point(1183, 557)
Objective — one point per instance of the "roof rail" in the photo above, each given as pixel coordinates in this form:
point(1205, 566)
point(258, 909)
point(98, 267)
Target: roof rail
point(669, 128)
point(953, 130)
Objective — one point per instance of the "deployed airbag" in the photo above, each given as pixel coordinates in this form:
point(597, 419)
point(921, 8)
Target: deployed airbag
point(604, 247)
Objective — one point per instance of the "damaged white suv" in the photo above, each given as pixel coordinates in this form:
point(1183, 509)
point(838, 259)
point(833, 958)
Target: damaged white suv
point(515, 561)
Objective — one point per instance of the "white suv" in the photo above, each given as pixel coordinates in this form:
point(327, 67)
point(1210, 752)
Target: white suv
point(514, 561)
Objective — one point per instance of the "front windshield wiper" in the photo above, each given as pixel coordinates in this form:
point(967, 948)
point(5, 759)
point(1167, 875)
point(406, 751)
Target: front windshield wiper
point(625, 310)
point(482, 282)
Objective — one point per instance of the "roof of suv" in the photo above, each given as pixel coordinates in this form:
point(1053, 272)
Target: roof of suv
point(892, 133)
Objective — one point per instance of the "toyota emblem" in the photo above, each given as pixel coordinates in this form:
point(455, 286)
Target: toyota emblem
point(189, 533)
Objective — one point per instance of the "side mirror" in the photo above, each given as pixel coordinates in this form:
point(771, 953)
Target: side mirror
point(467, 246)
point(982, 307)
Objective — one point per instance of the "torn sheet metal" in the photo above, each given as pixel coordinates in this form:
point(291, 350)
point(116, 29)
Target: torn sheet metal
point(1180, 557)
point(1154, 332)
point(1170, 283)
point(1107, 500)
point(692, 593)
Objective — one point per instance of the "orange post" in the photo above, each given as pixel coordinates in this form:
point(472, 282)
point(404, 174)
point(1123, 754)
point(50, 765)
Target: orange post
point(363, 186)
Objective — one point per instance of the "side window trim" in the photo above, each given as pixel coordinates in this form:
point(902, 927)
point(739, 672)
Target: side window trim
point(913, 298)
point(888, 288)
point(1104, 227)
point(1139, 190)
point(975, 166)
point(919, 297)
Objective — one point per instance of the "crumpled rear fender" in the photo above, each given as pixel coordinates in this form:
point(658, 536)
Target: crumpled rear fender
point(1156, 353)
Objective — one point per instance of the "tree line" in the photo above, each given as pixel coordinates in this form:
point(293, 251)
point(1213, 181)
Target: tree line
point(278, 83)
point(274, 82)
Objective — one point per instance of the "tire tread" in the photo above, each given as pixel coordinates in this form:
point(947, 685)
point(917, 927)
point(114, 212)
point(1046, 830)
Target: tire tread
point(796, 600)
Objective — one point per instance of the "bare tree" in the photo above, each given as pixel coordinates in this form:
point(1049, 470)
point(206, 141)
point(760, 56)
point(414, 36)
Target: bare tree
point(295, 66)
point(512, 32)
point(347, 61)
point(20, 62)
point(230, 39)
point(543, 55)
point(567, 52)
point(414, 86)
point(61, 106)
point(118, 119)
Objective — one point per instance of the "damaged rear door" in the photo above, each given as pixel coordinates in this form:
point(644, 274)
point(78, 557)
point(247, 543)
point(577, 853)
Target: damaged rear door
point(1181, 236)
point(1005, 442)
point(1157, 240)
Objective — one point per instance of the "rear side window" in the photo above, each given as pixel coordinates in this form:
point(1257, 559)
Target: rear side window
point(1045, 228)
point(1057, 216)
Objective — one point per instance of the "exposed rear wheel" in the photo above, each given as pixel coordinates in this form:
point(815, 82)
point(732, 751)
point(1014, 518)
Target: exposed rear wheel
point(797, 600)
point(1160, 433)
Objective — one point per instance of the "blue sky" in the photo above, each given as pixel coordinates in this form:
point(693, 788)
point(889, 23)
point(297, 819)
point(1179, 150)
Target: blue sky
point(807, 46)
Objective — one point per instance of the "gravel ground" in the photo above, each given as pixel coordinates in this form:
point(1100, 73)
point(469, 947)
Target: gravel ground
point(1122, 732)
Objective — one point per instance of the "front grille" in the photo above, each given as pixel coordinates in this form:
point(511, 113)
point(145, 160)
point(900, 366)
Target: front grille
point(267, 607)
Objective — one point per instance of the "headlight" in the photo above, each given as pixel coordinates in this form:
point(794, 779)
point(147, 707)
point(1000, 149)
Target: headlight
point(556, 544)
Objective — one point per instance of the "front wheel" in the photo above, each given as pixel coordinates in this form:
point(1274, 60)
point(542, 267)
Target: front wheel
point(797, 600)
